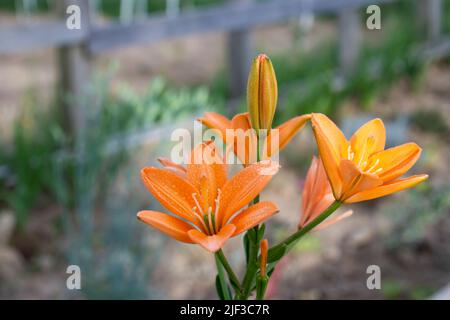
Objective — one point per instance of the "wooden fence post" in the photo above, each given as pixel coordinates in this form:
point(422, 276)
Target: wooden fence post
point(239, 58)
point(126, 11)
point(430, 18)
point(172, 8)
point(349, 28)
point(74, 75)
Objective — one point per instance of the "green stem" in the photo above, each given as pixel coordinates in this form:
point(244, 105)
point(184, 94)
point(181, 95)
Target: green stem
point(223, 283)
point(252, 265)
point(293, 239)
point(261, 286)
point(231, 275)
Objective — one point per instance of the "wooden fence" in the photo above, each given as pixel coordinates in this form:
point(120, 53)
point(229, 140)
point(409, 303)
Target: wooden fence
point(76, 48)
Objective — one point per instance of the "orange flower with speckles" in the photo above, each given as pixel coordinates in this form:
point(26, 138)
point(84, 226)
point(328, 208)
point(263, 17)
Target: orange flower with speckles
point(360, 169)
point(206, 204)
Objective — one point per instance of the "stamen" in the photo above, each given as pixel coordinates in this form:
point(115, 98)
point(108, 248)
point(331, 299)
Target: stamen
point(213, 218)
point(374, 165)
point(363, 152)
point(370, 140)
point(202, 214)
point(216, 212)
point(194, 196)
point(205, 219)
point(211, 227)
point(378, 170)
point(350, 154)
point(199, 217)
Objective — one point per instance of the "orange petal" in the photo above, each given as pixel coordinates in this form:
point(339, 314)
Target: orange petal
point(355, 181)
point(201, 174)
point(333, 219)
point(215, 242)
point(332, 147)
point(253, 216)
point(212, 157)
point(286, 132)
point(310, 181)
point(396, 161)
point(169, 225)
point(331, 133)
point(174, 192)
point(244, 187)
point(216, 121)
point(241, 121)
point(368, 139)
point(317, 194)
point(175, 167)
point(244, 139)
point(316, 209)
point(219, 165)
point(387, 188)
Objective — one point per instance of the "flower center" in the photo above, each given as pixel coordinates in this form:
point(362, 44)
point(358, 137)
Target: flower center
point(362, 161)
point(209, 219)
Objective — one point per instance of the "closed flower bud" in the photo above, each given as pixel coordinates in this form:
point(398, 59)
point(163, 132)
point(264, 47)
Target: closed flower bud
point(262, 93)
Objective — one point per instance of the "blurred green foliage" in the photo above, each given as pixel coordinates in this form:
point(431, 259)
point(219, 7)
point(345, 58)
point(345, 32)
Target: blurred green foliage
point(446, 16)
point(430, 121)
point(37, 164)
point(380, 65)
point(394, 289)
point(307, 78)
point(12, 5)
point(413, 217)
point(309, 243)
point(112, 7)
point(28, 165)
point(98, 211)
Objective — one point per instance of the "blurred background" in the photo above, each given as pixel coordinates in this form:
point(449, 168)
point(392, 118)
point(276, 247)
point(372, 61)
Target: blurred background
point(82, 111)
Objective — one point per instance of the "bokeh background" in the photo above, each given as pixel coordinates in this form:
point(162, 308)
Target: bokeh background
point(82, 111)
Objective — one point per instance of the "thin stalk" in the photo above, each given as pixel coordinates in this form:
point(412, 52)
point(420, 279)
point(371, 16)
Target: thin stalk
point(293, 239)
point(231, 275)
point(223, 282)
point(261, 286)
point(252, 265)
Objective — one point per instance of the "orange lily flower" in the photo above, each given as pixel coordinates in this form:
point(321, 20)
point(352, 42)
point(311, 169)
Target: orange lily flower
point(207, 204)
point(317, 196)
point(286, 132)
point(360, 169)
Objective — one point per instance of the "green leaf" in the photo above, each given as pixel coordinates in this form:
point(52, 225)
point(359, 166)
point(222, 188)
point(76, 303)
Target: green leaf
point(224, 292)
point(246, 241)
point(261, 231)
point(222, 288)
point(276, 253)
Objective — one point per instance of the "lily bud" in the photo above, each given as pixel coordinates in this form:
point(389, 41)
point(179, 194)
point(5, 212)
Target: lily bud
point(262, 93)
point(264, 244)
point(262, 279)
